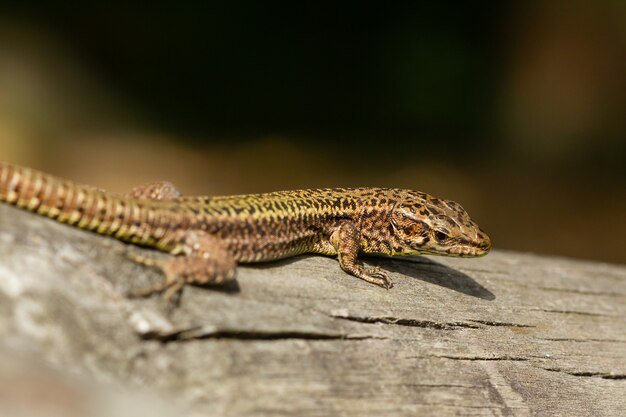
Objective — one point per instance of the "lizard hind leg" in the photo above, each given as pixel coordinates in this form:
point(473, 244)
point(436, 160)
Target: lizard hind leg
point(161, 190)
point(204, 260)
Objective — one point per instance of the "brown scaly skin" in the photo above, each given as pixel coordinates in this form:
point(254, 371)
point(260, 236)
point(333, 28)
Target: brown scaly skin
point(210, 235)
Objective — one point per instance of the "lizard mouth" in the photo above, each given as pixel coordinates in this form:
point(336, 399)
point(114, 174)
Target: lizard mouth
point(467, 251)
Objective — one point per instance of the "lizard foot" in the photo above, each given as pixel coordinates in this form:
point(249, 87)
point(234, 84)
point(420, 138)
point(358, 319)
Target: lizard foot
point(376, 276)
point(204, 261)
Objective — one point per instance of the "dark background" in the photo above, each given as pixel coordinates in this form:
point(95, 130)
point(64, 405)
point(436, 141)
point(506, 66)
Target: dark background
point(515, 109)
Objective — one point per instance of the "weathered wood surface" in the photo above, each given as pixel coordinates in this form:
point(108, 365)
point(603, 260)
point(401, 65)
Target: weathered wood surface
point(509, 334)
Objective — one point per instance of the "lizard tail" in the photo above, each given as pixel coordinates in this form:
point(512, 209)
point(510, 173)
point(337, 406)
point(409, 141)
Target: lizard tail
point(78, 205)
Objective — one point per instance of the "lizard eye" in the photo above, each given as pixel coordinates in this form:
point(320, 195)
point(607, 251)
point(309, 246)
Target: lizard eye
point(440, 236)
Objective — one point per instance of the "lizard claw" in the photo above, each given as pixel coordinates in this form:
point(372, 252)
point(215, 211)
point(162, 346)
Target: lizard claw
point(142, 259)
point(377, 276)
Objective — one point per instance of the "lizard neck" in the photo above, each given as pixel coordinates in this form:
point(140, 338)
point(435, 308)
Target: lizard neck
point(377, 205)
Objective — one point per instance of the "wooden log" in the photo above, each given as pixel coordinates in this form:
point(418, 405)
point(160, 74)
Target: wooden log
point(509, 334)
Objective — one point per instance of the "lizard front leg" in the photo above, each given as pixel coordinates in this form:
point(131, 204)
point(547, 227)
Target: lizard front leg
point(346, 240)
point(203, 260)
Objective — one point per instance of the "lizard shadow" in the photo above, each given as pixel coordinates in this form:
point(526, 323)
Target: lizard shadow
point(419, 267)
point(230, 287)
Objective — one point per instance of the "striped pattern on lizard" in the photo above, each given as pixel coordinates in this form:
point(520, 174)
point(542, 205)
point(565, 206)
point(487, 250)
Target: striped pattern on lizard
point(208, 236)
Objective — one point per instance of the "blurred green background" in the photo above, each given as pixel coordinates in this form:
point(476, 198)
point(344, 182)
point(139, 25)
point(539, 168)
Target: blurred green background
point(515, 109)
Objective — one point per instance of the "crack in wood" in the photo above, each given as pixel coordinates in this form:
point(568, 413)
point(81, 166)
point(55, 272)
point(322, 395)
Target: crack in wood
point(443, 386)
point(248, 335)
point(409, 322)
point(587, 374)
point(501, 323)
point(566, 339)
point(580, 313)
point(482, 358)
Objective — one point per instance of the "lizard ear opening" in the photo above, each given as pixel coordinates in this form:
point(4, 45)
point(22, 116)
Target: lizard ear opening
point(440, 236)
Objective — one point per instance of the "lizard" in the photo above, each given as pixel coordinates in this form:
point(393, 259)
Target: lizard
point(208, 236)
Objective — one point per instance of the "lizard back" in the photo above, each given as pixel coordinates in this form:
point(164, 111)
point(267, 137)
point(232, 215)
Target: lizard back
point(280, 224)
point(255, 227)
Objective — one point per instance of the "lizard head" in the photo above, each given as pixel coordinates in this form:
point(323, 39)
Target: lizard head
point(424, 224)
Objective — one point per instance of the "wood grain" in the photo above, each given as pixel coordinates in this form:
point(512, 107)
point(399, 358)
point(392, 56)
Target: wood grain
point(509, 334)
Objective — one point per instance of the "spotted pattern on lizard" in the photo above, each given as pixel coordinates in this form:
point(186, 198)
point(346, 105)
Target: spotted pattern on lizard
point(208, 236)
